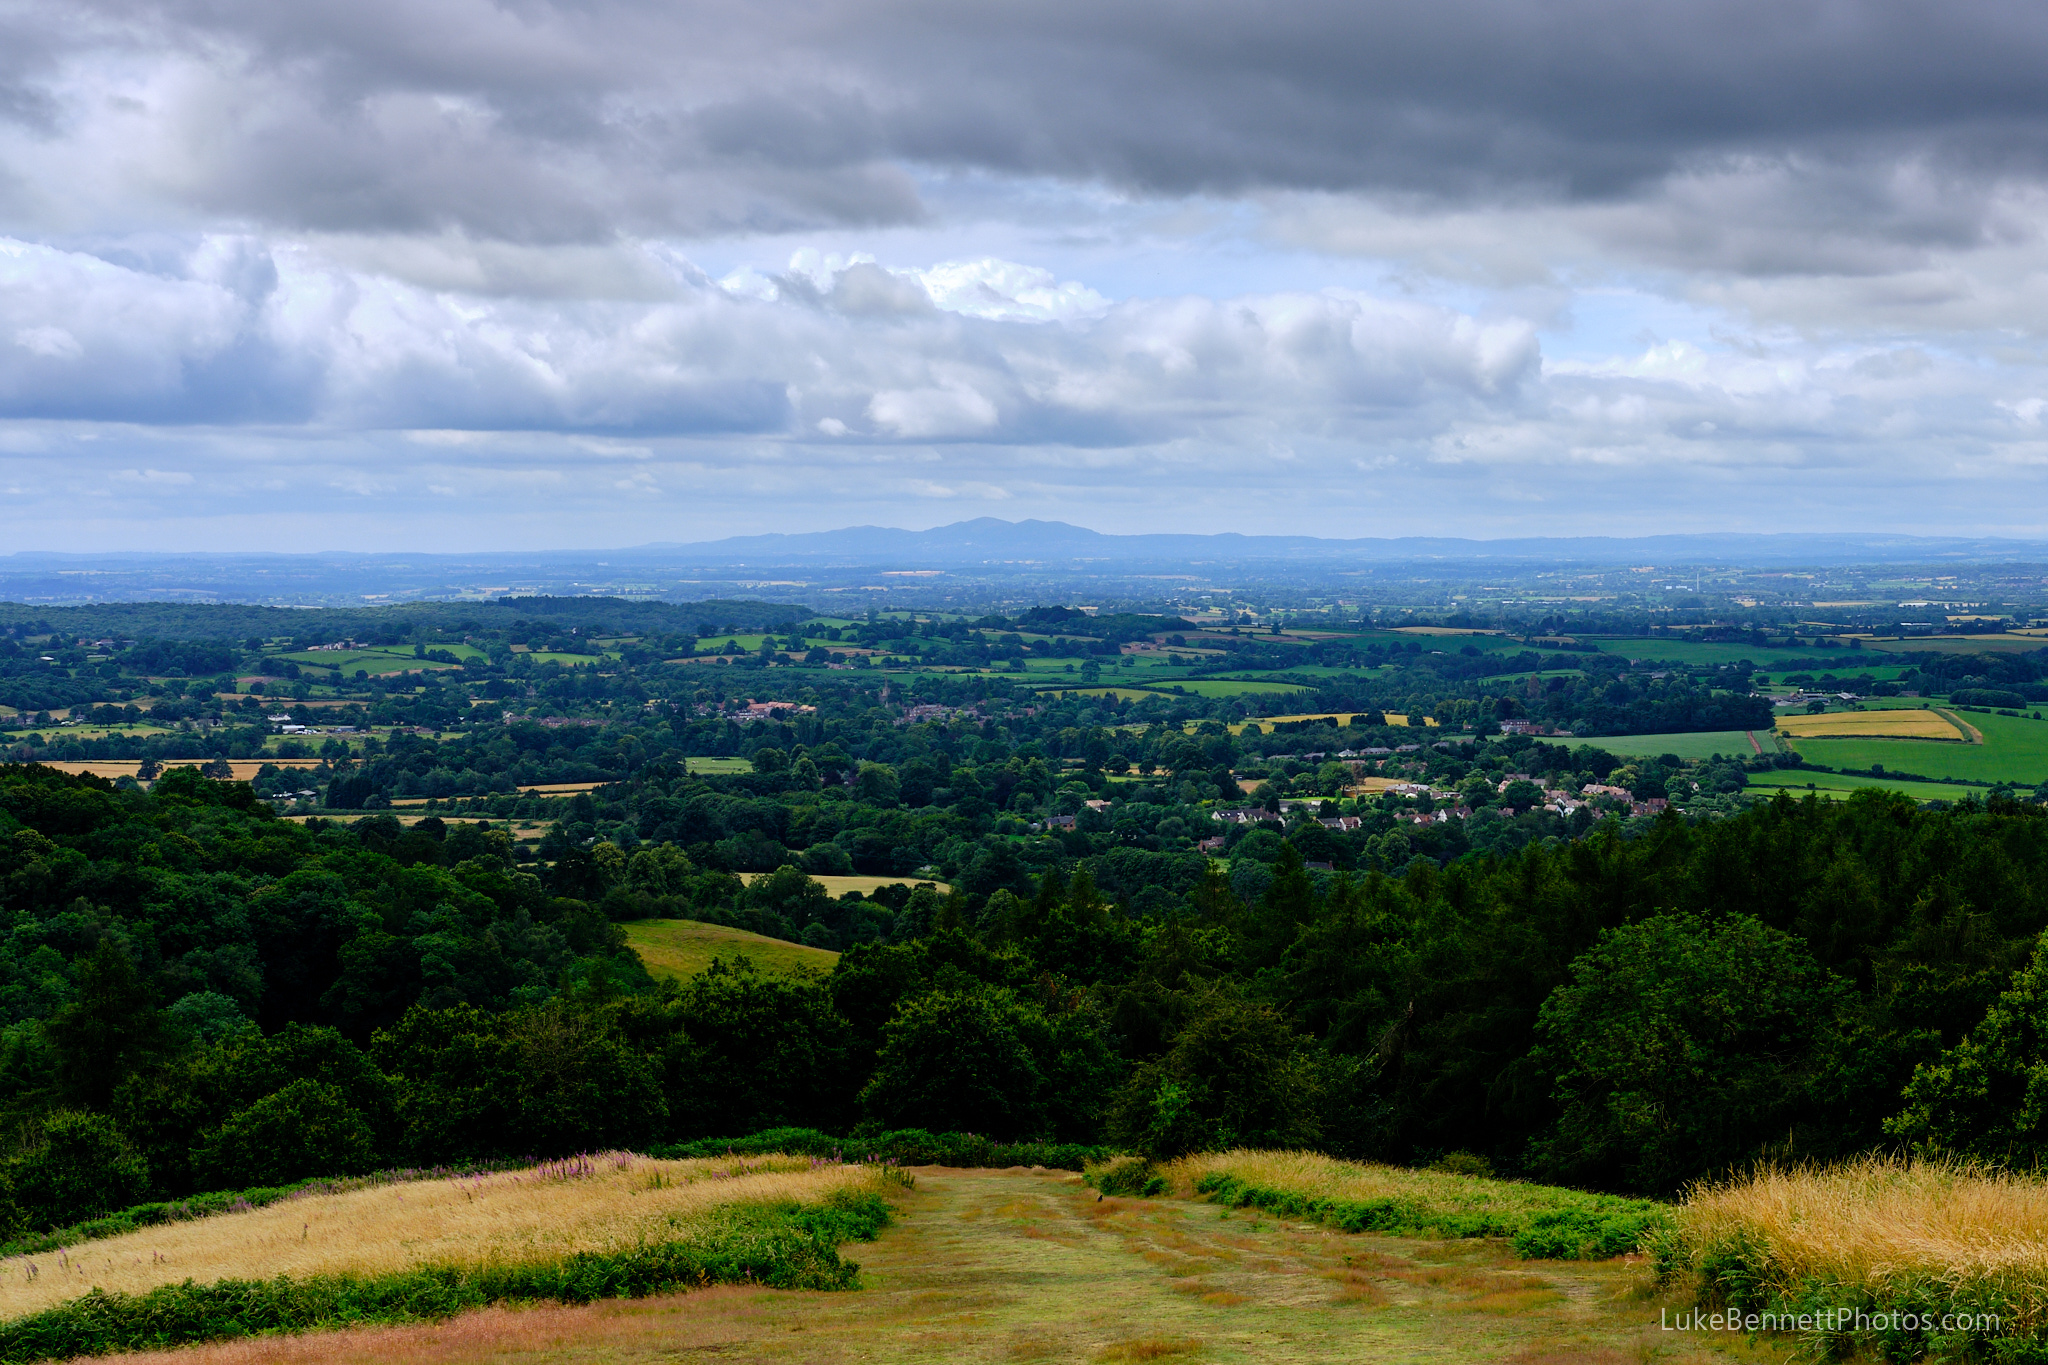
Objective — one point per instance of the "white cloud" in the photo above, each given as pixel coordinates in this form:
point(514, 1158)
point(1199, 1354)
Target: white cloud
point(1007, 292)
point(918, 414)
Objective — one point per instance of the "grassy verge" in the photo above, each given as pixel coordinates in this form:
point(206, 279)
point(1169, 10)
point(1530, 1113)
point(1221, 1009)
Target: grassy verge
point(1903, 1260)
point(1541, 1221)
point(784, 1246)
point(905, 1147)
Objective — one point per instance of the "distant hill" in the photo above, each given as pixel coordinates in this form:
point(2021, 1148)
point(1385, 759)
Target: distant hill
point(987, 539)
point(234, 621)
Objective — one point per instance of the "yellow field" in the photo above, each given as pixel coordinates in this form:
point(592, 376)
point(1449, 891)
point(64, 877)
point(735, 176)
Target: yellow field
point(681, 948)
point(867, 886)
point(1892, 724)
point(244, 768)
point(604, 1202)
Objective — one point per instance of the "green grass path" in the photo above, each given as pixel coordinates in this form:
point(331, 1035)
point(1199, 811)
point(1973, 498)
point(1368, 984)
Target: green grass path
point(1006, 1266)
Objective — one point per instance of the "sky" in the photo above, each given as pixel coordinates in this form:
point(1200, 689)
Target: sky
point(458, 275)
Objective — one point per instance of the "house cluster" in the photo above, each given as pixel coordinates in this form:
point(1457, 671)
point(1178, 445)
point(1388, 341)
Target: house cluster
point(924, 711)
point(749, 711)
point(1531, 727)
point(1434, 817)
point(338, 644)
point(1803, 698)
point(285, 725)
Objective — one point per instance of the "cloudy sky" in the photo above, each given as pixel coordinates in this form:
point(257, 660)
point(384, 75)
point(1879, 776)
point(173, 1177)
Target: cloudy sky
point(457, 274)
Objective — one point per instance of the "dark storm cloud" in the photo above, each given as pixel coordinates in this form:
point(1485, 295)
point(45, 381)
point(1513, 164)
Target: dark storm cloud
point(553, 121)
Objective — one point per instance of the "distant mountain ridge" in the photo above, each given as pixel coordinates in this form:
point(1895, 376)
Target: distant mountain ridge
point(989, 539)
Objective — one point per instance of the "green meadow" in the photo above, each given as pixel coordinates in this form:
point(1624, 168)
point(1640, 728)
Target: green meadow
point(2015, 749)
point(1704, 744)
point(1844, 660)
point(1837, 786)
point(681, 948)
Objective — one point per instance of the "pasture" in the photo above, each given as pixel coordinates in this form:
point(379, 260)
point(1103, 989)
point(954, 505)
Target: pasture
point(1962, 644)
point(1697, 744)
point(1801, 659)
point(681, 948)
point(1232, 687)
point(376, 662)
point(1837, 786)
point(1120, 693)
point(1890, 723)
point(719, 765)
point(2015, 749)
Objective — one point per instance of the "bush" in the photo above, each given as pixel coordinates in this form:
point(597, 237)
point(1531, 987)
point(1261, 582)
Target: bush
point(304, 1128)
point(1540, 1221)
point(1133, 1176)
point(75, 1165)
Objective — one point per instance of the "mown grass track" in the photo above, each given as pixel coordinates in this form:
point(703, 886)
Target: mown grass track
point(1006, 1266)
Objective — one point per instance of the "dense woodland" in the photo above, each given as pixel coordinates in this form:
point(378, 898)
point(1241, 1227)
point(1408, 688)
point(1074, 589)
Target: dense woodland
point(206, 996)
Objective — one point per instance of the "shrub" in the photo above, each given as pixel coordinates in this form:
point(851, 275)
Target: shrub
point(1132, 1175)
point(1540, 1221)
point(75, 1165)
point(303, 1128)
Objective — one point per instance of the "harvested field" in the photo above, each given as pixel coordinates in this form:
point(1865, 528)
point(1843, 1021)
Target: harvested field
point(243, 768)
point(1887, 724)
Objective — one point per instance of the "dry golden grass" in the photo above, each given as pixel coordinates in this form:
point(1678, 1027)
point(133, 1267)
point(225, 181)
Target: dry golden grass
point(1313, 1176)
point(1888, 724)
point(608, 1201)
point(1882, 1222)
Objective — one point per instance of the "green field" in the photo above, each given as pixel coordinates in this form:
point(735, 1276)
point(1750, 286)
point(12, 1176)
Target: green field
point(719, 765)
point(1233, 687)
point(1844, 660)
point(347, 661)
point(568, 660)
point(1120, 693)
point(1835, 786)
point(1702, 744)
point(681, 948)
point(2014, 750)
